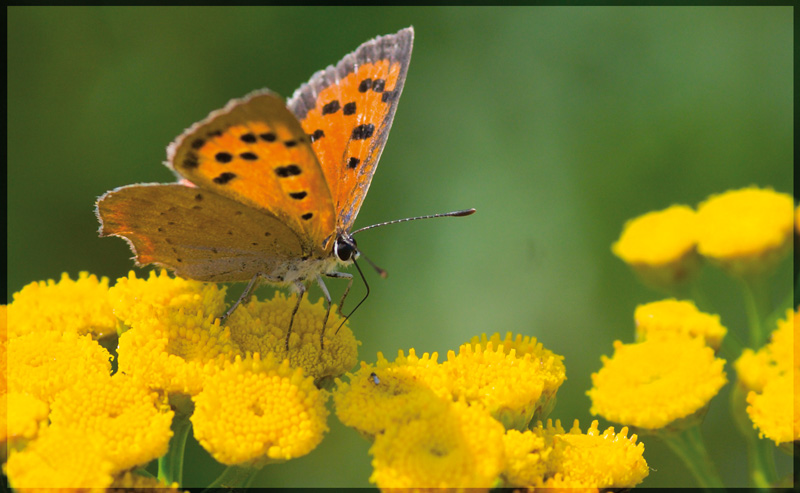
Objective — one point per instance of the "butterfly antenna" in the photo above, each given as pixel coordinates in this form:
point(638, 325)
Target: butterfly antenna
point(463, 213)
point(366, 284)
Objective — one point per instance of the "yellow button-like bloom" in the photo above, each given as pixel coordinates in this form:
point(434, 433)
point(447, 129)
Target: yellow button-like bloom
point(668, 318)
point(260, 327)
point(598, 459)
point(772, 374)
point(388, 395)
point(551, 366)
point(509, 387)
point(258, 411)
point(653, 383)
point(61, 459)
point(78, 306)
point(174, 351)
point(43, 364)
point(526, 459)
point(660, 245)
point(22, 416)
point(135, 299)
point(460, 447)
point(133, 421)
point(747, 230)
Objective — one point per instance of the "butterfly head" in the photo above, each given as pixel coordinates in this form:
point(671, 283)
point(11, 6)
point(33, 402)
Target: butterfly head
point(345, 248)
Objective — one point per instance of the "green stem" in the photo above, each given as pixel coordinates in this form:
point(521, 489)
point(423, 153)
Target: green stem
point(170, 465)
point(760, 458)
point(234, 477)
point(689, 447)
point(756, 302)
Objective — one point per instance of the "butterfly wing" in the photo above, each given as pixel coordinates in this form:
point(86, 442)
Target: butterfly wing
point(347, 111)
point(255, 152)
point(169, 225)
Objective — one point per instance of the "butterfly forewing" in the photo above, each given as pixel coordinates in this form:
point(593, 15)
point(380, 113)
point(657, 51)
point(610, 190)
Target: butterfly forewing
point(347, 111)
point(170, 225)
point(255, 152)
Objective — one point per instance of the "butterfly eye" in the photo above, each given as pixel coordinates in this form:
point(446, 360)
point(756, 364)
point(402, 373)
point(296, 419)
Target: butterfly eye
point(345, 248)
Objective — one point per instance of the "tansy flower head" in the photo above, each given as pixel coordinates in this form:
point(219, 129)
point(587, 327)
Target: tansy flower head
point(51, 462)
point(173, 350)
point(133, 421)
point(387, 395)
point(596, 459)
point(653, 383)
point(746, 231)
point(78, 306)
point(135, 299)
point(23, 416)
point(671, 317)
point(526, 459)
point(459, 447)
point(43, 364)
point(660, 245)
point(510, 388)
point(260, 327)
point(551, 366)
point(772, 374)
point(256, 411)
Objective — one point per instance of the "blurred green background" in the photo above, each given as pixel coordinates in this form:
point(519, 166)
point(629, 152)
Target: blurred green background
point(556, 124)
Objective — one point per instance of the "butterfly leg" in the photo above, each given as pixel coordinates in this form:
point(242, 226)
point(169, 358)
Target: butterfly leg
point(342, 275)
point(327, 296)
point(301, 290)
point(245, 296)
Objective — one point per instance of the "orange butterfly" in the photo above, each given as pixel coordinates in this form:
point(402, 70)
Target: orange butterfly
point(269, 191)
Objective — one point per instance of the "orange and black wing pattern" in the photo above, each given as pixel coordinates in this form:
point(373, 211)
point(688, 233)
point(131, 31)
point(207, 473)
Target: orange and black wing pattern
point(347, 110)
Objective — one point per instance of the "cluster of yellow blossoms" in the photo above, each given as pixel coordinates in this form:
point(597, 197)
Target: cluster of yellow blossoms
point(474, 421)
point(666, 380)
point(173, 360)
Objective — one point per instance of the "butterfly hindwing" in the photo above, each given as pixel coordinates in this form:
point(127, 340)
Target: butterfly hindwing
point(255, 152)
point(170, 225)
point(347, 110)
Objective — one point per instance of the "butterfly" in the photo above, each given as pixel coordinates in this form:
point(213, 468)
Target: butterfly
point(267, 190)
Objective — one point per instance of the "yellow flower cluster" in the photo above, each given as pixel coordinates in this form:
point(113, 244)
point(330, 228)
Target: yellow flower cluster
point(671, 375)
point(257, 411)
point(459, 424)
point(772, 377)
point(745, 231)
point(61, 396)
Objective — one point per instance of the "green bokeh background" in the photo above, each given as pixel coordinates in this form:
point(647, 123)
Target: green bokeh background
point(556, 124)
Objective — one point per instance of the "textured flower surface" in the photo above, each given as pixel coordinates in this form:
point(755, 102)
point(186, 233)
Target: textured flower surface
point(659, 237)
point(671, 317)
point(653, 383)
point(746, 230)
point(258, 411)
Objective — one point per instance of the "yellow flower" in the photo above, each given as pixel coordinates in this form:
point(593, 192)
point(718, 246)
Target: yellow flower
point(660, 245)
point(653, 383)
point(258, 411)
point(776, 410)
point(130, 482)
point(671, 317)
point(598, 459)
point(45, 363)
point(174, 351)
point(51, 462)
point(551, 366)
point(133, 421)
point(772, 374)
point(260, 327)
point(747, 230)
point(22, 417)
point(66, 306)
point(460, 447)
point(387, 395)
point(526, 459)
point(509, 387)
point(134, 299)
